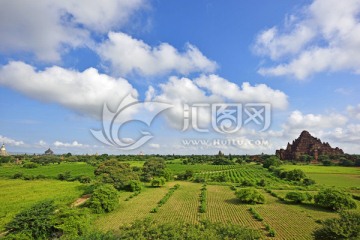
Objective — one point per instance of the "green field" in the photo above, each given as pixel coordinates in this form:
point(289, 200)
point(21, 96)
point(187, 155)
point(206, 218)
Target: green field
point(19, 194)
point(331, 175)
point(51, 170)
point(290, 221)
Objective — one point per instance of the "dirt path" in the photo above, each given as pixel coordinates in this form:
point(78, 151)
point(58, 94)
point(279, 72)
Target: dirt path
point(81, 200)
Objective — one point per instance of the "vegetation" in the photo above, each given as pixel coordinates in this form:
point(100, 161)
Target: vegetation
point(119, 174)
point(345, 227)
point(298, 197)
point(148, 229)
point(157, 182)
point(250, 195)
point(44, 220)
point(165, 198)
point(334, 199)
point(202, 208)
point(255, 214)
point(105, 198)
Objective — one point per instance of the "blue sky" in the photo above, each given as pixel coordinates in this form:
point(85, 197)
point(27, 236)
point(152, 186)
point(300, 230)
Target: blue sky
point(60, 61)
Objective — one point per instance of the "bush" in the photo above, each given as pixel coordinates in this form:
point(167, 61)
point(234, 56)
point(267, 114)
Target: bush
point(105, 198)
point(35, 221)
point(64, 176)
point(297, 197)
point(334, 199)
point(84, 179)
point(272, 161)
point(157, 182)
point(134, 186)
point(345, 227)
point(308, 181)
point(250, 195)
point(30, 165)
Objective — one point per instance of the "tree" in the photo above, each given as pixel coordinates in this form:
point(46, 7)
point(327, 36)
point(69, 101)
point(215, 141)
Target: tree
point(306, 158)
point(295, 175)
point(157, 182)
point(154, 167)
point(250, 195)
point(105, 198)
point(272, 161)
point(334, 199)
point(35, 221)
point(116, 173)
point(345, 227)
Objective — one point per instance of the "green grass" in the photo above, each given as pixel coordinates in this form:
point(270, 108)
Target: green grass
point(334, 176)
point(19, 194)
point(51, 170)
point(324, 169)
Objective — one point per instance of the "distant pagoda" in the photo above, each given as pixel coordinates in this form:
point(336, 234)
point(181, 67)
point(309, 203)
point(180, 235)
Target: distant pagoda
point(3, 150)
point(49, 152)
point(306, 144)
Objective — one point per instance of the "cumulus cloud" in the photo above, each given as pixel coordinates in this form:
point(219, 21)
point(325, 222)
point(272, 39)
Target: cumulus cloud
point(10, 141)
point(314, 122)
point(74, 144)
point(207, 90)
point(323, 37)
point(246, 93)
point(44, 27)
point(84, 92)
point(128, 55)
point(354, 111)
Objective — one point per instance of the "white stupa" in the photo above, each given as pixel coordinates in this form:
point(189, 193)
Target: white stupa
point(3, 151)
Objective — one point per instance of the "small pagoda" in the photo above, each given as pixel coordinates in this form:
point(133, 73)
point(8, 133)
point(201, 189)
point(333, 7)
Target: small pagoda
point(3, 150)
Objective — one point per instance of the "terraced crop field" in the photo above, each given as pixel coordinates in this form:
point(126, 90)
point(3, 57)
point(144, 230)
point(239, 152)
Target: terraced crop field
point(239, 174)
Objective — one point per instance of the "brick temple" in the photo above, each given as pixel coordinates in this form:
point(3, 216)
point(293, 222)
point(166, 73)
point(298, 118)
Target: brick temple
point(307, 144)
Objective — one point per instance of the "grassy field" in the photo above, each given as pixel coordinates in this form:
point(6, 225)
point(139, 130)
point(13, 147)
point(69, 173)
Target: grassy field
point(290, 221)
point(51, 170)
point(331, 175)
point(19, 194)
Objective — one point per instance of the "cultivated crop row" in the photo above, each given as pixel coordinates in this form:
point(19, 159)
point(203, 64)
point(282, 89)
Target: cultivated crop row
point(165, 198)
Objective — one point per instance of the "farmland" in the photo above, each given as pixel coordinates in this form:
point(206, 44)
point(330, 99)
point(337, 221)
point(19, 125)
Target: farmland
point(19, 194)
point(219, 204)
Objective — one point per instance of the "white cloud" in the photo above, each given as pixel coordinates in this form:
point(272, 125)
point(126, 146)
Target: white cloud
point(10, 141)
point(74, 144)
point(207, 90)
point(44, 27)
point(154, 145)
point(128, 55)
point(354, 111)
point(324, 38)
point(298, 121)
point(42, 143)
point(246, 93)
point(85, 92)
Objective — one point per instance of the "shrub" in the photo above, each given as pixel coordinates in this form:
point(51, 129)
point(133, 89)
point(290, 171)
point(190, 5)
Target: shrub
point(308, 181)
point(64, 176)
point(104, 199)
point(157, 182)
point(30, 165)
point(250, 195)
point(84, 179)
point(345, 227)
point(35, 221)
point(134, 186)
point(256, 215)
point(272, 161)
point(296, 197)
point(334, 199)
